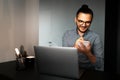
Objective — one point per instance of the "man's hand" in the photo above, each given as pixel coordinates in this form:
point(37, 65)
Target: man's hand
point(85, 49)
point(81, 46)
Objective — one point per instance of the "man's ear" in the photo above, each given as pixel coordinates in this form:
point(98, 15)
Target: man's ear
point(75, 20)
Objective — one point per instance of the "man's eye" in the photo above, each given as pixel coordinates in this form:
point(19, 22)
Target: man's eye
point(80, 21)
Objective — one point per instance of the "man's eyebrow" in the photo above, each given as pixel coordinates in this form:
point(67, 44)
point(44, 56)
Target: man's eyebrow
point(84, 21)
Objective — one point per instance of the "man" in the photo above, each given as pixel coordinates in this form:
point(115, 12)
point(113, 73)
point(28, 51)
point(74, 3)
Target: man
point(87, 42)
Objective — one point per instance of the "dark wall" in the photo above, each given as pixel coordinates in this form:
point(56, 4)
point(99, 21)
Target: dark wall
point(118, 41)
point(112, 36)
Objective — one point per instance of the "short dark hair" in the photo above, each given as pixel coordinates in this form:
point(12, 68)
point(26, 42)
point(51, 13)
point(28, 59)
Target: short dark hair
point(84, 9)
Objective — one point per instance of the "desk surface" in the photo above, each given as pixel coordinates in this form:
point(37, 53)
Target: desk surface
point(8, 72)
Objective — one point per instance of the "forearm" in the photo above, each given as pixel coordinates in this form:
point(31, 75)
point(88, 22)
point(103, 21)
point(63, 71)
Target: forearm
point(91, 57)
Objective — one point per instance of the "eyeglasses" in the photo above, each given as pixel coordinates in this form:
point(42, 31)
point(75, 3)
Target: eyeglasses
point(84, 22)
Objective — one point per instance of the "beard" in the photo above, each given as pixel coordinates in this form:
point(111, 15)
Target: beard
point(81, 30)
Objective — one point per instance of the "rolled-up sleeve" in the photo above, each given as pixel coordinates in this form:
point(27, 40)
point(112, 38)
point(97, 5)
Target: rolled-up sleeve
point(98, 51)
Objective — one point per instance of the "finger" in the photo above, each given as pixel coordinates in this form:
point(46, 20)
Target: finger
point(81, 45)
point(81, 38)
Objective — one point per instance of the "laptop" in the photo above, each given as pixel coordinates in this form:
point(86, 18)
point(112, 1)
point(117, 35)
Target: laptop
point(58, 61)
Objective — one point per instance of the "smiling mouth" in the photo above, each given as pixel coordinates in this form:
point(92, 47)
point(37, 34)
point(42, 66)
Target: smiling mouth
point(83, 28)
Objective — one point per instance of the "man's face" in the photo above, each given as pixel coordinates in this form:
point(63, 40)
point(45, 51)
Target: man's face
point(83, 21)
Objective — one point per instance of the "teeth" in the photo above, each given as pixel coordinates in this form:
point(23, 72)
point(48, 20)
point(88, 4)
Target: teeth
point(84, 26)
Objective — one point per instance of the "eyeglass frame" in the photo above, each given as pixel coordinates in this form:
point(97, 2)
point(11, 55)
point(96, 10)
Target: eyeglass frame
point(84, 22)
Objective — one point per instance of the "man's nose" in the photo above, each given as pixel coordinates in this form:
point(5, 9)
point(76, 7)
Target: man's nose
point(84, 24)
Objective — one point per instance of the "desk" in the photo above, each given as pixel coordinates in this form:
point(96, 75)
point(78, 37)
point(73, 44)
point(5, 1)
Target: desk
point(8, 72)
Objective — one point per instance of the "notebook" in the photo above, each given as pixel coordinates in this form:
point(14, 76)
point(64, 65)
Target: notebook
point(58, 61)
